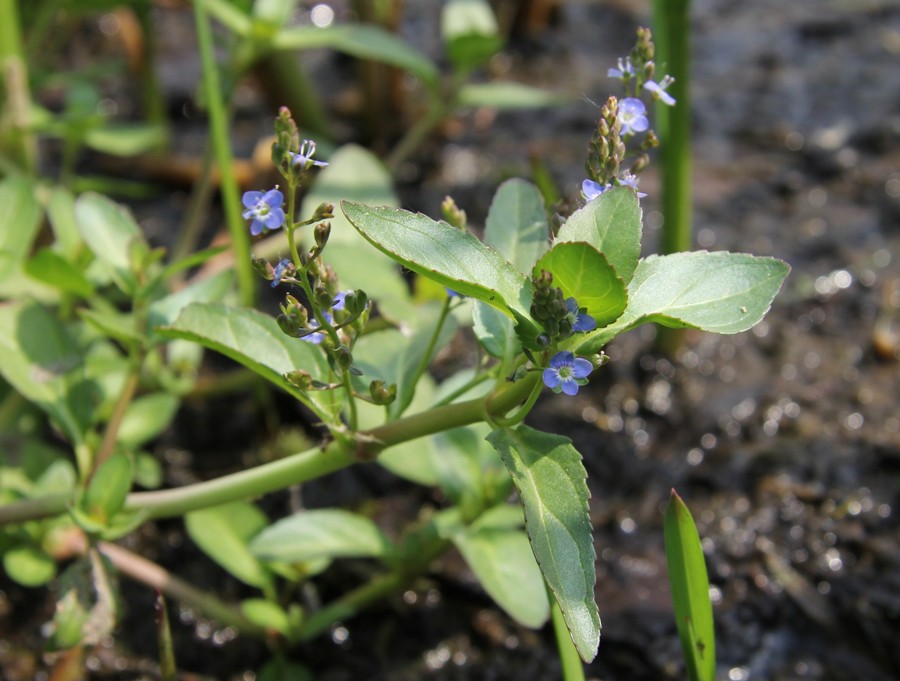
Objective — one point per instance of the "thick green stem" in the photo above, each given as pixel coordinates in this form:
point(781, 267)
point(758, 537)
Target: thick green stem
point(298, 468)
point(218, 123)
point(14, 138)
point(673, 124)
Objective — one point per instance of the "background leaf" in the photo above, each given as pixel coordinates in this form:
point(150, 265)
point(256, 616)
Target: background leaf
point(507, 95)
point(719, 292)
point(548, 473)
point(323, 533)
point(611, 223)
point(469, 31)
point(516, 224)
point(355, 173)
point(224, 532)
point(505, 565)
point(110, 232)
point(20, 219)
point(582, 272)
point(690, 591)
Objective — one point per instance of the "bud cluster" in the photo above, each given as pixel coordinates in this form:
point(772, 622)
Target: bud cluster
point(548, 308)
point(606, 147)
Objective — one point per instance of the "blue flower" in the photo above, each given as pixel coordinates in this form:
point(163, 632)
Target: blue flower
point(592, 190)
point(658, 90)
point(581, 320)
point(625, 70)
point(633, 116)
point(265, 210)
point(279, 271)
point(316, 337)
point(566, 373)
point(339, 300)
point(304, 158)
point(629, 180)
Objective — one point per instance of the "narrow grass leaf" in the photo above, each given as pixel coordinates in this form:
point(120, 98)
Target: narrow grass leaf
point(690, 591)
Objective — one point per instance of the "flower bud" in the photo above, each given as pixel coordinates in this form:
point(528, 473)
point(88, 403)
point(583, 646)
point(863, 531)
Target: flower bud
point(453, 213)
point(321, 233)
point(343, 357)
point(324, 211)
point(382, 394)
point(299, 379)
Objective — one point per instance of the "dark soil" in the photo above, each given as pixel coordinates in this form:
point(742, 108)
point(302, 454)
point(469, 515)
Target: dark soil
point(784, 441)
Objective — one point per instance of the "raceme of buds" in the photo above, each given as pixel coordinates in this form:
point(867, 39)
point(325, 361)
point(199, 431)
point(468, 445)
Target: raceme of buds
point(606, 148)
point(548, 307)
point(453, 214)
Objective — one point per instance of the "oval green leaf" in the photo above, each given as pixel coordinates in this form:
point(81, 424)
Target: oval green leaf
point(516, 224)
point(550, 477)
point(449, 256)
point(719, 292)
point(324, 533)
point(611, 223)
point(223, 532)
point(582, 272)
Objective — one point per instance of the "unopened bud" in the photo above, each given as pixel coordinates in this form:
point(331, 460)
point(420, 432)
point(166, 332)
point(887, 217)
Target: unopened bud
point(355, 302)
point(382, 394)
point(343, 357)
point(324, 211)
point(321, 233)
point(299, 379)
point(323, 298)
point(453, 214)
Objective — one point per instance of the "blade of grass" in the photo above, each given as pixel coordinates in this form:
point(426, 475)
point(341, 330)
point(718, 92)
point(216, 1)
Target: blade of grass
point(218, 122)
point(690, 591)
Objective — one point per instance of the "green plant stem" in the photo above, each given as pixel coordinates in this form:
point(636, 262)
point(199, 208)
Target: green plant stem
point(572, 666)
point(218, 122)
point(302, 467)
point(110, 435)
point(14, 138)
point(417, 134)
point(673, 125)
point(153, 575)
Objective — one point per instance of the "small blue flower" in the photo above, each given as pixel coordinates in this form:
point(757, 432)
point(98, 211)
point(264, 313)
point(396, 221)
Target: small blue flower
point(566, 373)
point(592, 190)
point(581, 320)
point(658, 90)
point(316, 337)
point(625, 70)
point(633, 116)
point(265, 210)
point(629, 180)
point(304, 158)
point(280, 269)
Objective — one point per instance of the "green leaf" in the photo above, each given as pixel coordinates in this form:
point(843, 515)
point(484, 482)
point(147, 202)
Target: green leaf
point(51, 268)
point(355, 173)
point(110, 322)
point(224, 533)
point(111, 233)
point(516, 225)
point(495, 331)
point(611, 223)
point(436, 250)
point(550, 477)
point(126, 140)
point(106, 493)
point(29, 565)
point(364, 42)
point(61, 213)
point(323, 533)
point(207, 290)
point(584, 273)
point(253, 339)
point(37, 357)
point(719, 292)
point(20, 219)
point(266, 614)
point(505, 565)
point(507, 95)
point(470, 34)
point(147, 417)
point(690, 591)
